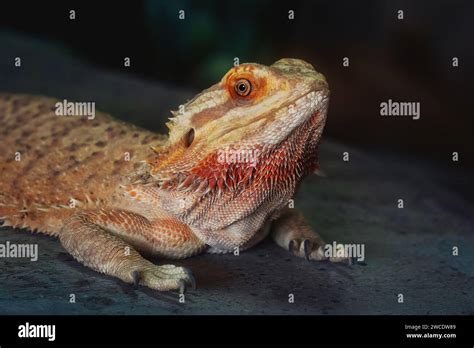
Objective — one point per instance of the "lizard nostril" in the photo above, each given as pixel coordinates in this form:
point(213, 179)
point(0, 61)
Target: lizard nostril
point(189, 138)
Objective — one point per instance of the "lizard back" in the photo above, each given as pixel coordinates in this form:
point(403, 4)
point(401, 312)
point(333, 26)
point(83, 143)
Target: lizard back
point(46, 160)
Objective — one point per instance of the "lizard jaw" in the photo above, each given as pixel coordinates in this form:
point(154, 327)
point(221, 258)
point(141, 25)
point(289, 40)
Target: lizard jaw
point(307, 111)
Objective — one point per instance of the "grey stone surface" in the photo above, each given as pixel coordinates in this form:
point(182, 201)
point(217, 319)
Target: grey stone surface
point(408, 250)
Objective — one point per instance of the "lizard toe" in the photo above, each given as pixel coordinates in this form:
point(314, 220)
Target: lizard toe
point(165, 278)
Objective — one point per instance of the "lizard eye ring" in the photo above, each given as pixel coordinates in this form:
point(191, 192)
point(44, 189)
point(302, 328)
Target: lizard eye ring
point(243, 87)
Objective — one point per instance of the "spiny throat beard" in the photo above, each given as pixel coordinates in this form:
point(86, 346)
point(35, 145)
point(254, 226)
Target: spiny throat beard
point(277, 167)
point(296, 156)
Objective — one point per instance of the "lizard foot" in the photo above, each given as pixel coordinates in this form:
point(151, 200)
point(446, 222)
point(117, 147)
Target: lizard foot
point(314, 250)
point(164, 277)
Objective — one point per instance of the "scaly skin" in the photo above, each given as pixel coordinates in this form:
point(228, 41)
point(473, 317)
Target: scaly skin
point(139, 192)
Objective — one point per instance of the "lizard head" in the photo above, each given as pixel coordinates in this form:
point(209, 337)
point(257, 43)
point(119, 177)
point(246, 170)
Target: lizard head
point(254, 133)
point(253, 107)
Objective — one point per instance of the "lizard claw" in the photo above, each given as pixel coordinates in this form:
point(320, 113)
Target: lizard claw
point(182, 286)
point(307, 248)
point(292, 246)
point(136, 278)
point(192, 279)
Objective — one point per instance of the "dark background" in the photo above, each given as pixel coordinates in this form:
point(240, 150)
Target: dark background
point(408, 60)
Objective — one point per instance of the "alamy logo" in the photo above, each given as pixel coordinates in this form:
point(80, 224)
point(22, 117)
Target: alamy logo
point(67, 108)
point(356, 251)
point(232, 156)
point(37, 331)
point(12, 250)
point(393, 108)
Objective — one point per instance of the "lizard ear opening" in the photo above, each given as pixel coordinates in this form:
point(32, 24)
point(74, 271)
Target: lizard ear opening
point(189, 138)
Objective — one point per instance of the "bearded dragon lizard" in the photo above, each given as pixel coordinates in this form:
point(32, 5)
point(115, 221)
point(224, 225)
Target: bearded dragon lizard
point(138, 193)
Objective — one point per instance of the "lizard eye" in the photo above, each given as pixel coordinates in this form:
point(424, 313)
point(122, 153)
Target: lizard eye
point(243, 87)
point(189, 137)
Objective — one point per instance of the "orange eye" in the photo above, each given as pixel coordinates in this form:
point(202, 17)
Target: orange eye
point(243, 87)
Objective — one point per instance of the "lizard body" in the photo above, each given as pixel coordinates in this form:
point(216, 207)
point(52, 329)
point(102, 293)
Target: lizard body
point(221, 179)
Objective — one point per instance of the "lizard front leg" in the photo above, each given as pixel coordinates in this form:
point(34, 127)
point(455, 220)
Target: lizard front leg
point(103, 239)
point(292, 232)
